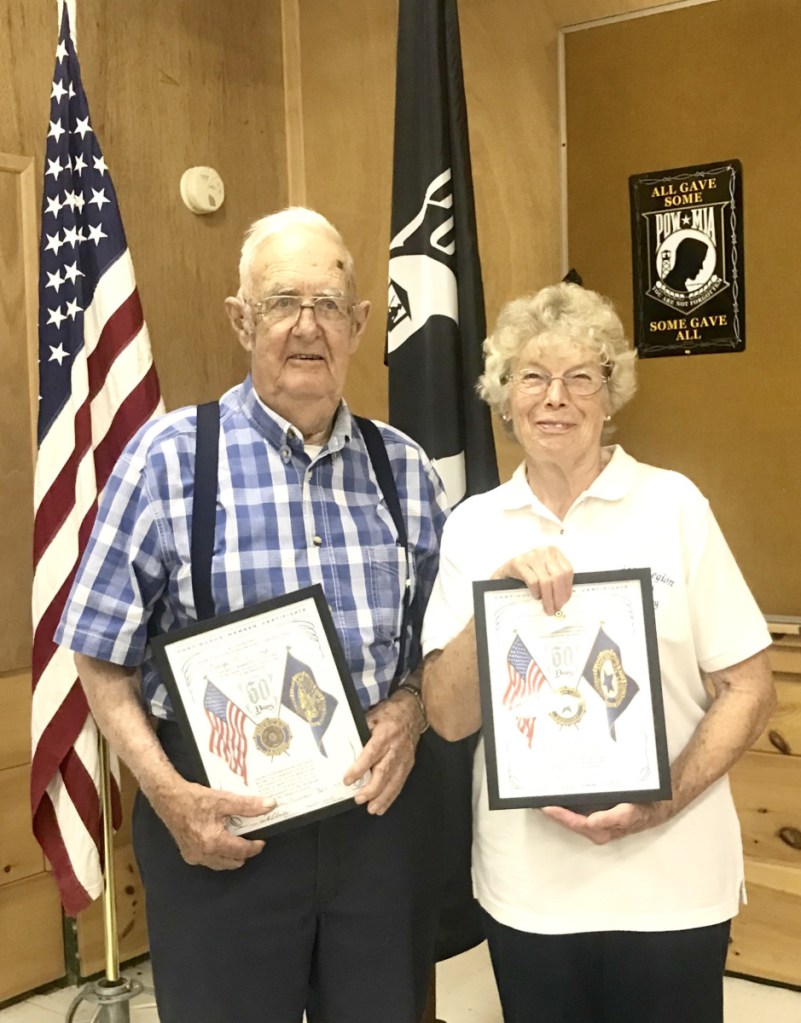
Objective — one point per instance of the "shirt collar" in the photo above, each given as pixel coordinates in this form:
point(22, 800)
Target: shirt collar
point(612, 483)
point(280, 432)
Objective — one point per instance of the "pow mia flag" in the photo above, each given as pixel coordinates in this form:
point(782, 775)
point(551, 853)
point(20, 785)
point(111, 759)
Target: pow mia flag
point(687, 240)
point(436, 323)
point(435, 330)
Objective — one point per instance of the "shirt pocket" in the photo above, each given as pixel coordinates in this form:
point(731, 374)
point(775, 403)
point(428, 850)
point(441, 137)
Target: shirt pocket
point(387, 579)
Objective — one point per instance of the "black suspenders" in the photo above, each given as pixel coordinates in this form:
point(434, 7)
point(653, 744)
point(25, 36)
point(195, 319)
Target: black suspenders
point(204, 505)
point(377, 451)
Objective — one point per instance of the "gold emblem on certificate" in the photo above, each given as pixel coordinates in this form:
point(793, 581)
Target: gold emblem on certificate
point(306, 698)
point(608, 678)
point(272, 737)
point(569, 706)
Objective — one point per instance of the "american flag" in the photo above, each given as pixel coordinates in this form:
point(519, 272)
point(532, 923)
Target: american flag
point(97, 385)
point(525, 680)
point(227, 739)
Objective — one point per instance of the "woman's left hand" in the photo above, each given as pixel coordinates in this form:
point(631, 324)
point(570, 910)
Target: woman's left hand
point(604, 826)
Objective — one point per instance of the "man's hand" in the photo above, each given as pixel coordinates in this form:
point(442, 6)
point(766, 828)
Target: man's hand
point(196, 817)
point(606, 825)
point(395, 725)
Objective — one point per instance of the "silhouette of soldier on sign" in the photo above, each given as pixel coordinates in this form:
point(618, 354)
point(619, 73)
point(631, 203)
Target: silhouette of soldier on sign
point(690, 256)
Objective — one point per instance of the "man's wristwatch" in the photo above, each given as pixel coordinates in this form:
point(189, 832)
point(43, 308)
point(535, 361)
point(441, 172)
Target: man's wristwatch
point(410, 687)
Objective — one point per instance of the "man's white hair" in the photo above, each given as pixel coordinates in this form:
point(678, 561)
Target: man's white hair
point(283, 220)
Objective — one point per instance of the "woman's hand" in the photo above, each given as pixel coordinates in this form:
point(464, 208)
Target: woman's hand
point(546, 572)
point(604, 826)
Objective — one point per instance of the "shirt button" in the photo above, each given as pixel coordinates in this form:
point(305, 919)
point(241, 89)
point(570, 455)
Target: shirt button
point(317, 540)
point(561, 532)
point(285, 453)
point(291, 434)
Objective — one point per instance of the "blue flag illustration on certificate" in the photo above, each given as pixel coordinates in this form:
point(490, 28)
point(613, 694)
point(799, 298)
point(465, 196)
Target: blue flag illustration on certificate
point(302, 694)
point(604, 672)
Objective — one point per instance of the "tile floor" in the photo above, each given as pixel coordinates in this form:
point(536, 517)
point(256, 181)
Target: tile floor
point(465, 994)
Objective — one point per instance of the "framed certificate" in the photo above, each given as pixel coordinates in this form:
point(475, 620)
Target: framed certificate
point(572, 702)
point(267, 707)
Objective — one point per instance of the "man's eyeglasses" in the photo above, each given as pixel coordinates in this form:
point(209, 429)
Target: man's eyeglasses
point(579, 382)
point(328, 309)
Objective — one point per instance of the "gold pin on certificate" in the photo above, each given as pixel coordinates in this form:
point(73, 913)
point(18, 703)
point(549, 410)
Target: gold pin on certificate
point(572, 702)
point(267, 706)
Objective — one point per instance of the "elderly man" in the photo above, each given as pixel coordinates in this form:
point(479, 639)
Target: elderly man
point(336, 917)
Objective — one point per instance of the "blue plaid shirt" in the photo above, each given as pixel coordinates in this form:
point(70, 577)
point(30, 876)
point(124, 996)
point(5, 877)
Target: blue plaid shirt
point(284, 521)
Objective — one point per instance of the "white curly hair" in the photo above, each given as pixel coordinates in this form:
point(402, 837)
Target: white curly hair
point(559, 317)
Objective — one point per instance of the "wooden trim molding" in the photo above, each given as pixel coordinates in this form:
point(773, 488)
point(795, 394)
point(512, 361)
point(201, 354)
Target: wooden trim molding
point(293, 102)
point(23, 166)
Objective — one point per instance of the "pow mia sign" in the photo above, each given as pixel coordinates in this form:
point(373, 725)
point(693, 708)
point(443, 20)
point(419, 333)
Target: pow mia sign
point(687, 242)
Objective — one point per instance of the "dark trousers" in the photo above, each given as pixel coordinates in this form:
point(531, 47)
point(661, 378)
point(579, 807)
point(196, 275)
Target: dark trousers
point(337, 917)
point(610, 976)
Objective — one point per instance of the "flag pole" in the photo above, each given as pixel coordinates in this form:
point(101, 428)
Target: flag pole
point(114, 993)
point(110, 937)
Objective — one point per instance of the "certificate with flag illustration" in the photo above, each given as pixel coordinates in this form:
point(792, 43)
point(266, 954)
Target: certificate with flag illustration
point(267, 707)
point(572, 703)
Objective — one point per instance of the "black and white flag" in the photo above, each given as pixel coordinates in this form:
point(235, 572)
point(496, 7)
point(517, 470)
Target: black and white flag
point(436, 323)
point(435, 330)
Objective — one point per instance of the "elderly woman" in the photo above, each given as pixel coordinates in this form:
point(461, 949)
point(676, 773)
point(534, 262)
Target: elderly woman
point(624, 914)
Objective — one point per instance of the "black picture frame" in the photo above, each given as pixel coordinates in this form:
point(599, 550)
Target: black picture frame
point(270, 623)
point(512, 632)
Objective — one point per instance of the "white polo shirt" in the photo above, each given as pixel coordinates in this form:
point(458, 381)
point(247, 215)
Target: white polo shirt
point(529, 872)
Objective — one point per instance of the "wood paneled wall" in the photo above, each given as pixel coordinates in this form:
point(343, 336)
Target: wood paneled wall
point(712, 82)
point(205, 88)
point(575, 12)
point(18, 284)
point(766, 936)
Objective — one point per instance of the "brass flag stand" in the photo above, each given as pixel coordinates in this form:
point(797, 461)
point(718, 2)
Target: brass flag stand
point(113, 993)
